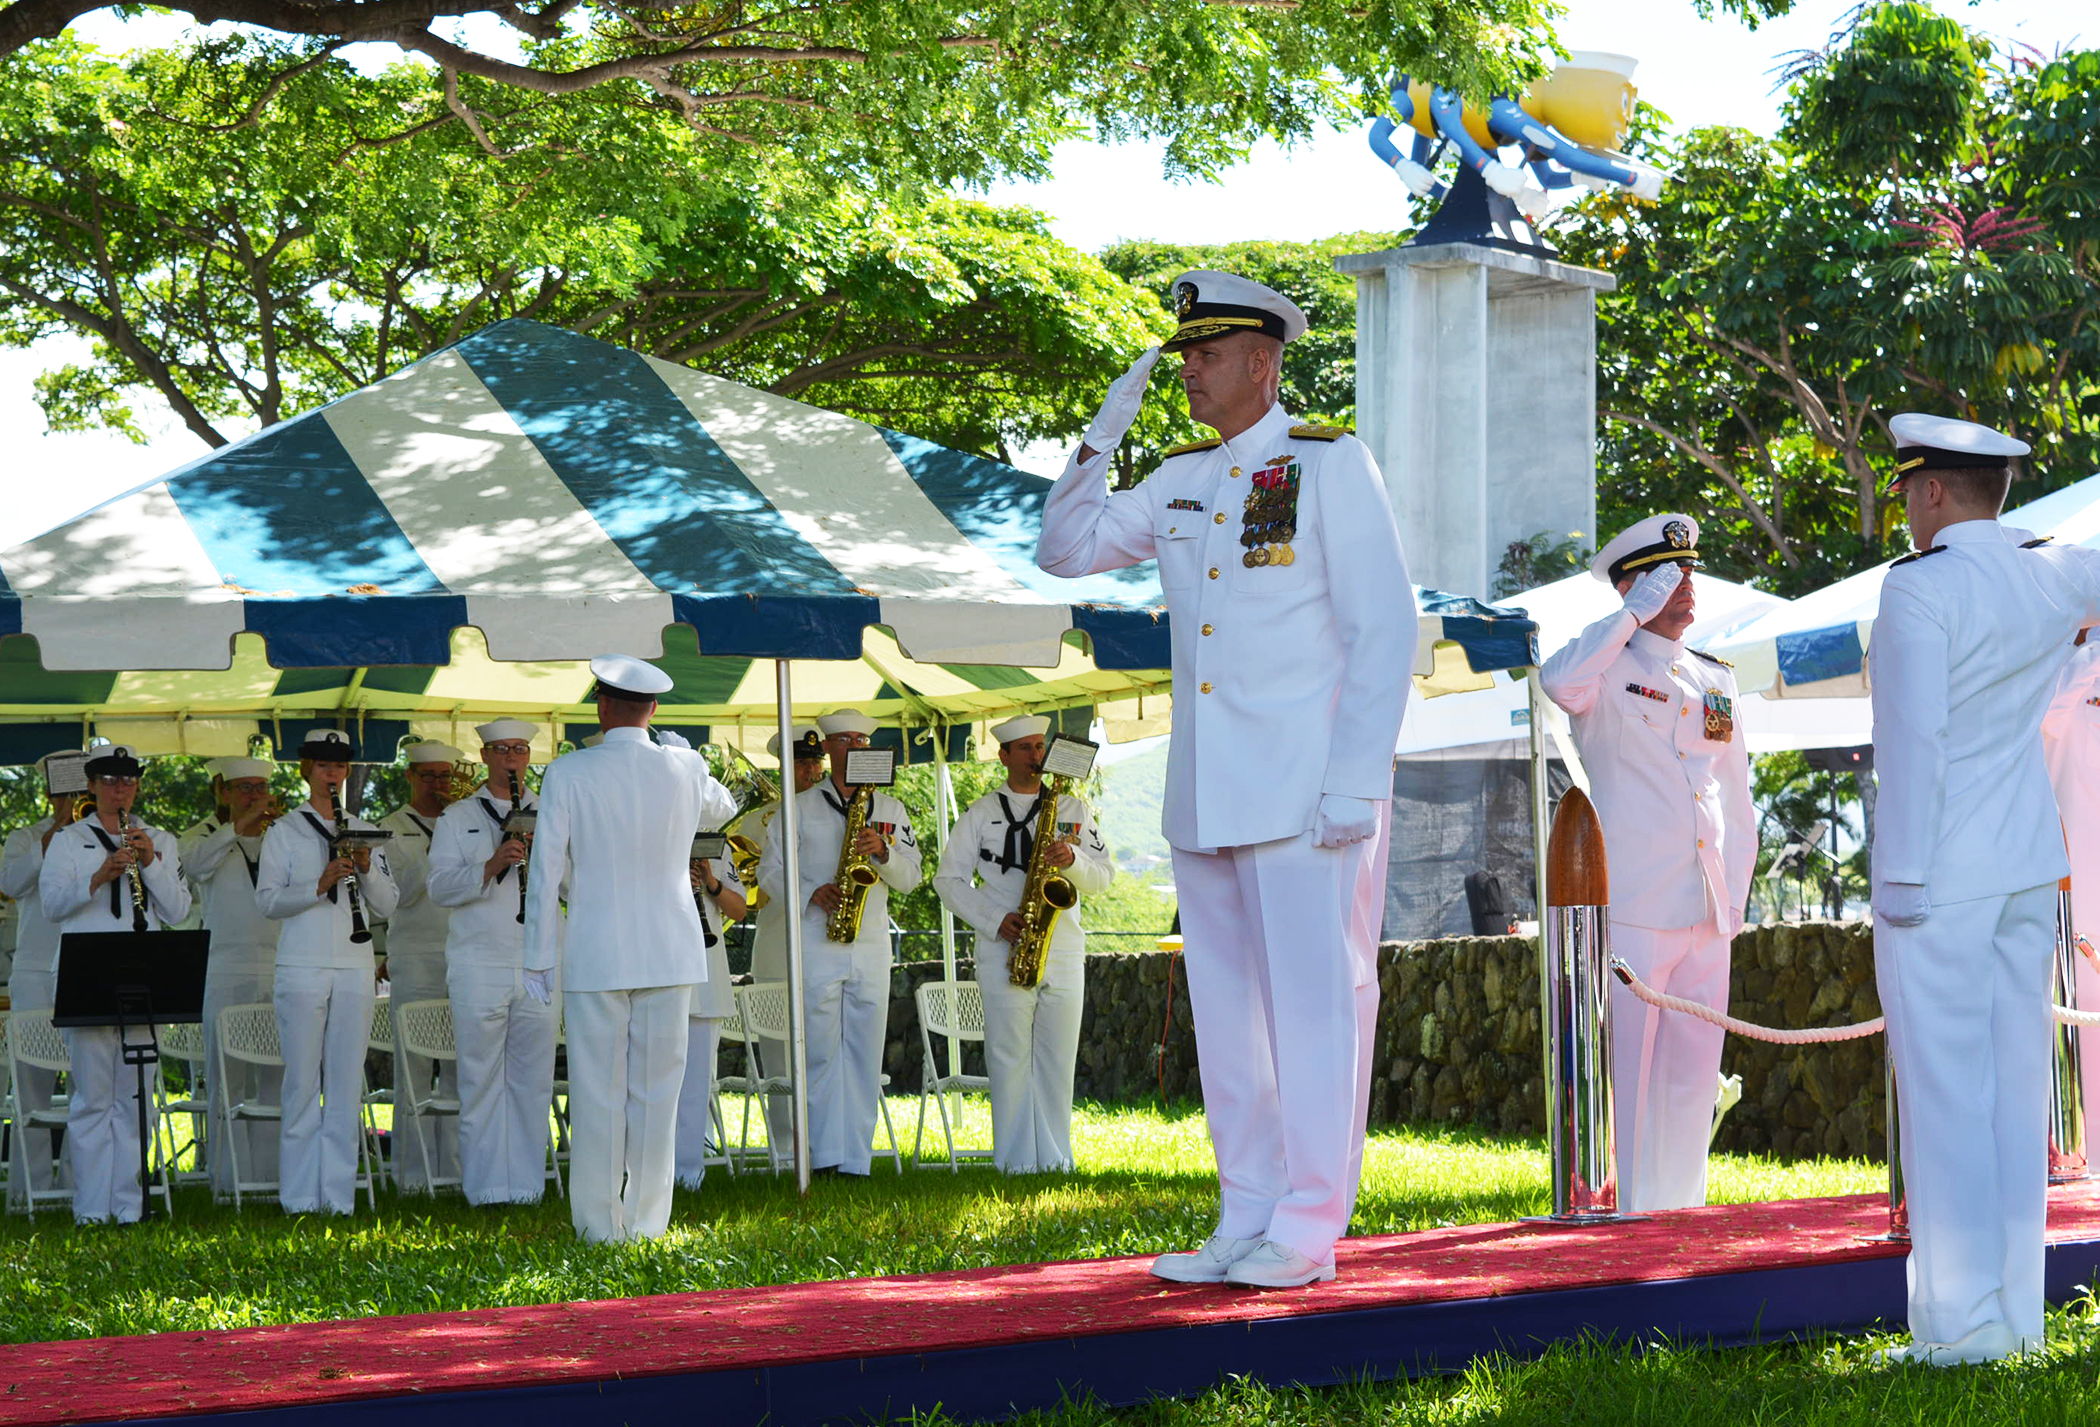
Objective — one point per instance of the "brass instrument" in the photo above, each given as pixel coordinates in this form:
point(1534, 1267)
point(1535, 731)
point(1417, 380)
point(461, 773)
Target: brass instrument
point(855, 874)
point(1047, 894)
point(756, 792)
point(466, 777)
point(359, 932)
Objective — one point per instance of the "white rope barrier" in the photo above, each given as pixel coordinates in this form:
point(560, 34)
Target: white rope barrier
point(1815, 1035)
point(2066, 1016)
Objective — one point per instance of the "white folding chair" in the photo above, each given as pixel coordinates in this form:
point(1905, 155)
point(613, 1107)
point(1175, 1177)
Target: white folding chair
point(764, 1007)
point(32, 1041)
point(7, 1106)
point(760, 1004)
point(731, 1025)
point(18, 1176)
point(184, 1042)
point(949, 1011)
point(426, 1031)
point(380, 1038)
point(248, 1034)
point(560, 1103)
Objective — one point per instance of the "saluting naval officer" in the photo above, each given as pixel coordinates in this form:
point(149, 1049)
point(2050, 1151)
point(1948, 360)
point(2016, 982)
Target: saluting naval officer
point(769, 953)
point(1031, 1033)
point(86, 887)
point(2071, 741)
point(617, 821)
point(1293, 638)
point(1655, 723)
point(505, 1037)
point(415, 960)
point(1971, 636)
point(846, 985)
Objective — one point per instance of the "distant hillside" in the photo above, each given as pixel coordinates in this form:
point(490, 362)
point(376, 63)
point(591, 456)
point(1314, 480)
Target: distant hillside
point(1131, 794)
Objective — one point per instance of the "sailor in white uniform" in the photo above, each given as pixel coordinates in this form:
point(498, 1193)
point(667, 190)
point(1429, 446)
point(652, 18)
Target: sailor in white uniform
point(1293, 638)
point(1967, 648)
point(1656, 725)
point(505, 1037)
point(222, 857)
point(2071, 741)
point(617, 821)
point(326, 983)
point(769, 951)
point(1031, 1033)
point(32, 979)
point(86, 887)
point(415, 963)
point(846, 985)
point(719, 896)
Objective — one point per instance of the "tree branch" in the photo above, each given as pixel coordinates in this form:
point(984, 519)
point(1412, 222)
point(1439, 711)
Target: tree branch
point(1721, 472)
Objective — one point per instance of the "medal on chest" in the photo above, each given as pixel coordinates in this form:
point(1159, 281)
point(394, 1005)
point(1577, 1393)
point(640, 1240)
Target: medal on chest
point(1270, 520)
point(1720, 716)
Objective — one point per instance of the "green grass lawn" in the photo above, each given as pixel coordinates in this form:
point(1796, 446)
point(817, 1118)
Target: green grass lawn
point(1148, 1186)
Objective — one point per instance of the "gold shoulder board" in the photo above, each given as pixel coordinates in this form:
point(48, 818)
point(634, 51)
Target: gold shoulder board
point(1319, 433)
point(1713, 659)
point(1916, 555)
point(2037, 541)
point(1187, 446)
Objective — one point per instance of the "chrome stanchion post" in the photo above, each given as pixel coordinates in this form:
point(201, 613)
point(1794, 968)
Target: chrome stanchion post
point(2067, 1159)
point(1899, 1211)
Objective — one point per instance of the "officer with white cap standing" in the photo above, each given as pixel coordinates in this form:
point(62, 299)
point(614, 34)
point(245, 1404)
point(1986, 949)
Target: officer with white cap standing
point(1656, 725)
point(505, 1037)
point(617, 822)
point(222, 857)
point(1293, 637)
point(32, 980)
point(1967, 646)
point(846, 986)
point(2071, 742)
point(426, 1153)
point(803, 770)
point(1031, 1033)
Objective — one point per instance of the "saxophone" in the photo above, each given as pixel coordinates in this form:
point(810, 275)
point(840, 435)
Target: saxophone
point(855, 876)
point(1047, 894)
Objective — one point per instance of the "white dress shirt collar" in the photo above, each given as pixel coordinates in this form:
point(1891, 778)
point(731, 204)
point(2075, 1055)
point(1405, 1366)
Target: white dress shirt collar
point(1253, 445)
point(1970, 532)
point(1648, 642)
point(627, 734)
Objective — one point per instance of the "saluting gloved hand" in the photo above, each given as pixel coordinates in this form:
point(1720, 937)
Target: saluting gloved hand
point(1342, 821)
point(1652, 590)
point(1126, 397)
point(1902, 904)
point(538, 987)
point(669, 739)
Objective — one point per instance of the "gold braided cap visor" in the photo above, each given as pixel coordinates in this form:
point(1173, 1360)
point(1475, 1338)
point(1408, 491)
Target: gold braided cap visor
point(1202, 329)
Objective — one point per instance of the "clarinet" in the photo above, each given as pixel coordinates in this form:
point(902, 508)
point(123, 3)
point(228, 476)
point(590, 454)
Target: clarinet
point(517, 801)
point(137, 879)
point(359, 932)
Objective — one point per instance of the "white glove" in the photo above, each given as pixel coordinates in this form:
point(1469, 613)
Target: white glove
point(1903, 904)
point(1342, 821)
point(669, 739)
point(1126, 397)
point(537, 987)
point(1652, 590)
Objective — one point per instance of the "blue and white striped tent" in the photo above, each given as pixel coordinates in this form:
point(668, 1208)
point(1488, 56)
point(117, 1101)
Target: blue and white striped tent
point(449, 544)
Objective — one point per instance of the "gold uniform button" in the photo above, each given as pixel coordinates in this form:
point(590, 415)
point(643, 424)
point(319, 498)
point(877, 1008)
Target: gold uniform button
point(1219, 519)
point(1206, 689)
point(1214, 572)
point(1702, 842)
point(1206, 629)
point(1685, 712)
point(1235, 470)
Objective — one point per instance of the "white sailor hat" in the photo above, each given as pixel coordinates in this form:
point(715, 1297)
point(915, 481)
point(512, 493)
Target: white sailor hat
point(1211, 304)
point(325, 745)
point(845, 721)
point(622, 676)
point(1021, 726)
point(431, 751)
point(115, 760)
point(1941, 443)
point(809, 743)
point(228, 769)
point(506, 730)
point(1658, 540)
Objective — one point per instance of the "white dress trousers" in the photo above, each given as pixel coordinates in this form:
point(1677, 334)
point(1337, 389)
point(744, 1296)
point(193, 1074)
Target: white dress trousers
point(769, 962)
point(714, 1000)
point(242, 970)
point(627, 1053)
point(2071, 739)
point(31, 984)
point(415, 971)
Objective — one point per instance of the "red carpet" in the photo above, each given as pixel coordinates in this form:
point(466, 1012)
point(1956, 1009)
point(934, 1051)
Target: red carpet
point(187, 1373)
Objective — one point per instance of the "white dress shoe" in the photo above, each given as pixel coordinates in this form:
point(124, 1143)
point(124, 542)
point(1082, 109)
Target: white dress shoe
point(1274, 1265)
point(1205, 1265)
point(1987, 1344)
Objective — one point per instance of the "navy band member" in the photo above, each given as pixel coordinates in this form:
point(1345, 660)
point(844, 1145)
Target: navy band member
point(1657, 727)
point(86, 887)
point(415, 962)
point(1294, 634)
point(32, 979)
point(1971, 636)
point(1031, 1033)
point(847, 985)
point(617, 822)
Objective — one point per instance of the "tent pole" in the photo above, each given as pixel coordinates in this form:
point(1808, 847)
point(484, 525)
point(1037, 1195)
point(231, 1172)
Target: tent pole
point(1539, 804)
point(944, 814)
point(791, 895)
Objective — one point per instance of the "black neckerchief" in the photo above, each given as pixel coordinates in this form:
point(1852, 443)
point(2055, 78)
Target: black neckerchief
point(428, 836)
point(832, 798)
point(327, 837)
point(253, 863)
point(109, 844)
point(488, 806)
point(1020, 833)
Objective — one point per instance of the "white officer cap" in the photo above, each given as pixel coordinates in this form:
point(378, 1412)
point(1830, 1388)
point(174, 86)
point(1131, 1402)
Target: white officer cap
point(113, 760)
point(808, 742)
point(431, 751)
point(1213, 304)
point(507, 730)
point(1940, 443)
point(845, 721)
point(228, 769)
point(1023, 726)
point(622, 676)
point(1657, 540)
point(325, 745)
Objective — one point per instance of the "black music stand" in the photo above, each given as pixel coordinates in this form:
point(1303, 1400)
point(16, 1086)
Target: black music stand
point(133, 981)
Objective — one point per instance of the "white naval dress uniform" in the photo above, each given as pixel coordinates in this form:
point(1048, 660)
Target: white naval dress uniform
point(415, 971)
point(1965, 656)
point(1670, 774)
point(225, 868)
point(324, 995)
point(2071, 741)
point(714, 1000)
point(620, 818)
point(102, 1123)
point(1291, 681)
point(31, 984)
point(1031, 1033)
point(846, 989)
point(505, 1038)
